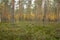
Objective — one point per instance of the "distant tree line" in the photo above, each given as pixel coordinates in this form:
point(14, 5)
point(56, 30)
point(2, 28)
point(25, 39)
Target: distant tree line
point(30, 10)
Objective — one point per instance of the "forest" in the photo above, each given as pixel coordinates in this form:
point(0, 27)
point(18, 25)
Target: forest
point(29, 19)
point(30, 10)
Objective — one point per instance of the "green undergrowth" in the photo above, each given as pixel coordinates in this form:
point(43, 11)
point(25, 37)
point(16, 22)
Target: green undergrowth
point(29, 31)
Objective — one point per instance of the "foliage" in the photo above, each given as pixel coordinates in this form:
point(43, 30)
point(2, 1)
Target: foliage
point(26, 30)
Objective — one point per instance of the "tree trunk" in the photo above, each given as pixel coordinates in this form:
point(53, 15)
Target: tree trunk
point(12, 20)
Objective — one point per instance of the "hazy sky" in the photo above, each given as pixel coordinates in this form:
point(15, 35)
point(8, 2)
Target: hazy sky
point(24, 5)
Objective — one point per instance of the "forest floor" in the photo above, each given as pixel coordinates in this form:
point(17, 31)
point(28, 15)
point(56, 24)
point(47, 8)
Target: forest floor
point(27, 30)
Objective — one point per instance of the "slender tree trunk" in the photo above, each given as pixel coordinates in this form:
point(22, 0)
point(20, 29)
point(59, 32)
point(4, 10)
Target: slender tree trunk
point(44, 11)
point(21, 9)
point(29, 9)
point(12, 20)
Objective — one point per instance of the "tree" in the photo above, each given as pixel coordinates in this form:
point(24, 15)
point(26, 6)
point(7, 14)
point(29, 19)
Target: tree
point(58, 9)
point(28, 9)
point(12, 20)
point(21, 7)
point(4, 10)
point(38, 4)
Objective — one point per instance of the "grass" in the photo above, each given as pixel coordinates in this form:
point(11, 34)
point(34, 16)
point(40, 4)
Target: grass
point(27, 30)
